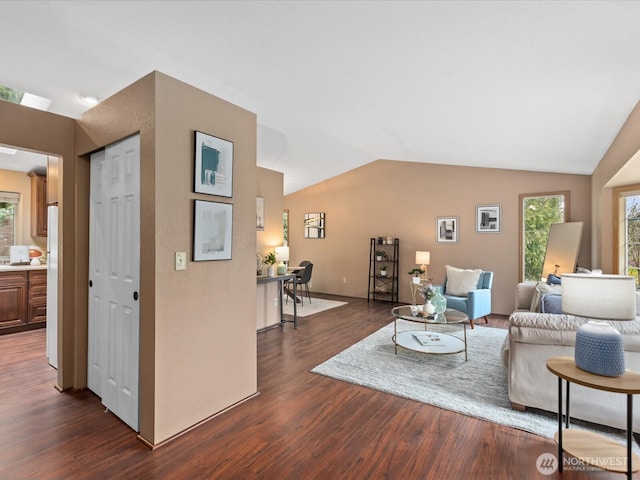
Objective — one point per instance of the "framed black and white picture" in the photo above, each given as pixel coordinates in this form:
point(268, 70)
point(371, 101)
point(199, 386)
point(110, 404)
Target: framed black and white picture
point(447, 229)
point(488, 219)
point(314, 225)
point(213, 172)
point(260, 213)
point(212, 231)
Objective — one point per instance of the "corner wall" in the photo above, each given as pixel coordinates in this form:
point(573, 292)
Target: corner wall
point(619, 154)
point(197, 343)
point(402, 200)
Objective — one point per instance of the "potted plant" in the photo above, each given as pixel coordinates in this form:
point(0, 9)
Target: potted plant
point(270, 260)
point(415, 273)
point(383, 270)
point(380, 255)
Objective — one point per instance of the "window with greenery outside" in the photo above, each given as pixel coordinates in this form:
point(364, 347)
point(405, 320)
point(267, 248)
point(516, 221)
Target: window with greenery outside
point(539, 212)
point(7, 227)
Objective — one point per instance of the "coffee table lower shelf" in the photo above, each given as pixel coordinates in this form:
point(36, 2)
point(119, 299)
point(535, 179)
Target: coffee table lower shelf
point(596, 450)
point(448, 344)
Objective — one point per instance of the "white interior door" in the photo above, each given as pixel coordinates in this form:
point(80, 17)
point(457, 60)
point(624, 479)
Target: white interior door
point(52, 285)
point(114, 271)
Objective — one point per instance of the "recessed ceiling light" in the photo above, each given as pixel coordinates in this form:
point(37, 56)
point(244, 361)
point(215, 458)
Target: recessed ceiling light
point(89, 99)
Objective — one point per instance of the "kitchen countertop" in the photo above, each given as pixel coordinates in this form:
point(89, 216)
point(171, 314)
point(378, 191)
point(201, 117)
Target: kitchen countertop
point(21, 268)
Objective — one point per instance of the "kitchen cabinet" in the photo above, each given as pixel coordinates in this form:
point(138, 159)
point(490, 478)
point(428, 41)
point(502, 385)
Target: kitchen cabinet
point(23, 298)
point(38, 205)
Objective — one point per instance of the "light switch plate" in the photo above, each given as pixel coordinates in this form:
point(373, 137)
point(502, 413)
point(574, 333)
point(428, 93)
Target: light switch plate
point(181, 260)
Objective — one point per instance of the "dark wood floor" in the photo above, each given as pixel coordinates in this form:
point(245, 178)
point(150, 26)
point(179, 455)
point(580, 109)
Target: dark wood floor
point(301, 426)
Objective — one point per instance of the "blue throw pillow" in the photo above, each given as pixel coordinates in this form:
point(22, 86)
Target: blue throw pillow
point(551, 303)
point(553, 279)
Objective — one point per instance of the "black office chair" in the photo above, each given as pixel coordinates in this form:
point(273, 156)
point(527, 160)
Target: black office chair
point(303, 277)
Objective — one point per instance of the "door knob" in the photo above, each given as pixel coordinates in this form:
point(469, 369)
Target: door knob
point(135, 296)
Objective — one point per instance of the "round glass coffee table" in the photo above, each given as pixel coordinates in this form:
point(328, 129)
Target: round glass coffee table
point(429, 339)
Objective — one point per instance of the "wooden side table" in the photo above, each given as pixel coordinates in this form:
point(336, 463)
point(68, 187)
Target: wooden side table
point(589, 447)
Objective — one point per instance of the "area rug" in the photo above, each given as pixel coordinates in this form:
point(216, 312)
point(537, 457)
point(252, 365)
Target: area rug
point(316, 305)
point(477, 388)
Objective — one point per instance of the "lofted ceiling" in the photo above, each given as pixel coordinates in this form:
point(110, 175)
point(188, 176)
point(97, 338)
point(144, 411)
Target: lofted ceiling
point(534, 85)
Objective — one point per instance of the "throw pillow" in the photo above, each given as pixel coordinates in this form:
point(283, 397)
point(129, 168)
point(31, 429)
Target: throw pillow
point(541, 289)
point(460, 281)
point(551, 303)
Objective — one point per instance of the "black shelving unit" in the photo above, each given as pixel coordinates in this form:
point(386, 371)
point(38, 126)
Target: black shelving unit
point(383, 287)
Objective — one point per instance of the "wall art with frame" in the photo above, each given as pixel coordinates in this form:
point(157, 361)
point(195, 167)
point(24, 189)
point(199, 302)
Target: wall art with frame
point(447, 229)
point(213, 170)
point(212, 231)
point(488, 219)
point(314, 225)
point(260, 213)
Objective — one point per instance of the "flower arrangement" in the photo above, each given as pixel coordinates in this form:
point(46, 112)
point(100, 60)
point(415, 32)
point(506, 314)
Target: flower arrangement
point(428, 291)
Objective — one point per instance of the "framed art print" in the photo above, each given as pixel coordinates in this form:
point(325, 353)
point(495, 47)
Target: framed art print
point(212, 231)
point(488, 219)
point(447, 229)
point(260, 213)
point(314, 225)
point(213, 172)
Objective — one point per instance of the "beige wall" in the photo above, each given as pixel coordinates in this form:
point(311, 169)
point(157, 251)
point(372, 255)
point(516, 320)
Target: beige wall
point(605, 177)
point(198, 343)
point(402, 200)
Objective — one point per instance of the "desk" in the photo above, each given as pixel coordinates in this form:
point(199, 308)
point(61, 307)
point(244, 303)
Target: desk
point(588, 447)
point(282, 279)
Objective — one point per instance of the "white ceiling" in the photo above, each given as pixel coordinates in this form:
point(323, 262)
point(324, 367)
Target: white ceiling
point(536, 85)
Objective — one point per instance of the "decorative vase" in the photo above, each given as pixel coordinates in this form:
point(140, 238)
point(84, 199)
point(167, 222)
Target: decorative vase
point(439, 305)
point(271, 271)
point(599, 349)
point(416, 280)
point(429, 308)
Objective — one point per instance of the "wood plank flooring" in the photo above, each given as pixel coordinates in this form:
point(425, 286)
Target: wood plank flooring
point(301, 426)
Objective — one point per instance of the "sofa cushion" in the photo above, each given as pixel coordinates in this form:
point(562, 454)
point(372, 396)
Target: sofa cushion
point(461, 281)
point(553, 329)
point(551, 303)
point(541, 289)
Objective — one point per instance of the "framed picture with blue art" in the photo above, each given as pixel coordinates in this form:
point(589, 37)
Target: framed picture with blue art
point(212, 230)
point(213, 165)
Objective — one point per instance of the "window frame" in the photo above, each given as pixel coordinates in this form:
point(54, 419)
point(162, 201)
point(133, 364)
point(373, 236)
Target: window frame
point(619, 220)
point(566, 218)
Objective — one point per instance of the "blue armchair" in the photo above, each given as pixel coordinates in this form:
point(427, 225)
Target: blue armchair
point(477, 303)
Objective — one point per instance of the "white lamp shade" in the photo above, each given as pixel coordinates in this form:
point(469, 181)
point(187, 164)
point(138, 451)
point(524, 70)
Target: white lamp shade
point(423, 258)
point(607, 297)
point(282, 254)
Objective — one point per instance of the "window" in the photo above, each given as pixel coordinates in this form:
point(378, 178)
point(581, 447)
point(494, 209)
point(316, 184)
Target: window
point(8, 210)
point(537, 212)
point(627, 233)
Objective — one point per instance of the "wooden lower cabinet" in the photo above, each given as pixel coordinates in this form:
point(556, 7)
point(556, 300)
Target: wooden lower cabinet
point(23, 300)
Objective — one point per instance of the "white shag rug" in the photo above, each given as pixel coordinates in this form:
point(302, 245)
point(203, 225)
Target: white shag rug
point(316, 305)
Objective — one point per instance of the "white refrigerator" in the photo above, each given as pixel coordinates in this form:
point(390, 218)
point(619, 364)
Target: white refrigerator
point(52, 285)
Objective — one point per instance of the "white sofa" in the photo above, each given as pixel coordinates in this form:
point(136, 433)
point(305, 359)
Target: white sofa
point(534, 337)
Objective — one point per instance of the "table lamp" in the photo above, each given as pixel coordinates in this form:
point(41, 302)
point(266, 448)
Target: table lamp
point(599, 348)
point(423, 259)
point(282, 255)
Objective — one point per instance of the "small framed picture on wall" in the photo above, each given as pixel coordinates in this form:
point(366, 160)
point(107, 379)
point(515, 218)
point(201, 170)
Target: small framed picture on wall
point(488, 219)
point(447, 229)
